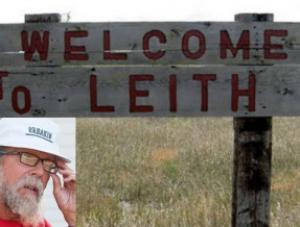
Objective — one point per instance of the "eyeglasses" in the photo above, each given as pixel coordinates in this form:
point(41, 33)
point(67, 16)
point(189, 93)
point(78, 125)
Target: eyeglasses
point(32, 160)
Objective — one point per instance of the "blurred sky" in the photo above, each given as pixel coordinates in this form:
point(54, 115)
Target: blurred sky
point(12, 11)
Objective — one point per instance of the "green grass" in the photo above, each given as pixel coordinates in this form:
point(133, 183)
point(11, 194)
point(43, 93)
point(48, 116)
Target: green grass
point(174, 172)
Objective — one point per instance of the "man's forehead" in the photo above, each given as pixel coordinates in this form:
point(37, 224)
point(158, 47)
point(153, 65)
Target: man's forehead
point(40, 154)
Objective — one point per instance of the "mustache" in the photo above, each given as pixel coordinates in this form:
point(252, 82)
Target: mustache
point(33, 183)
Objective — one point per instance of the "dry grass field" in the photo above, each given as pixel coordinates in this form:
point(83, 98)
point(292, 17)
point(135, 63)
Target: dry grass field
point(174, 172)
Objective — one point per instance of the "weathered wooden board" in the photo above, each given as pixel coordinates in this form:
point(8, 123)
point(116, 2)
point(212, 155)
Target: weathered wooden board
point(150, 43)
point(151, 91)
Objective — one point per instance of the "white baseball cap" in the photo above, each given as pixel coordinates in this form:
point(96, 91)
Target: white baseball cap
point(39, 134)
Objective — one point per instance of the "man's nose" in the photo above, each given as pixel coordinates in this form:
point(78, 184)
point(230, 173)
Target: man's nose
point(38, 170)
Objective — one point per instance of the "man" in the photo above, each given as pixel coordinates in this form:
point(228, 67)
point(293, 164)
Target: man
point(29, 156)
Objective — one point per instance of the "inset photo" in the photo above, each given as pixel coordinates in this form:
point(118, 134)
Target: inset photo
point(37, 172)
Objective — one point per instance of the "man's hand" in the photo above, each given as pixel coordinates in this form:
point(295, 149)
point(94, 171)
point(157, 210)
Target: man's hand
point(65, 195)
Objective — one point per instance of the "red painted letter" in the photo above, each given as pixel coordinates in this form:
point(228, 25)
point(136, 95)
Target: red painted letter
point(204, 78)
point(93, 97)
point(70, 50)
point(133, 93)
point(236, 92)
point(37, 43)
point(268, 46)
point(107, 55)
point(27, 99)
point(2, 74)
point(173, 93)
point(185, 44)
point(162, 39)
point(243, 43)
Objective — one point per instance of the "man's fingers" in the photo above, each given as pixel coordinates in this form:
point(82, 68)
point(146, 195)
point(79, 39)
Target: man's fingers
point(70, 178)
point(63, 165)
point(66, 171)
point(56, 182)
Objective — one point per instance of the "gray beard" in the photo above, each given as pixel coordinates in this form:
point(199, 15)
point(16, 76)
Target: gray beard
point(26, 206)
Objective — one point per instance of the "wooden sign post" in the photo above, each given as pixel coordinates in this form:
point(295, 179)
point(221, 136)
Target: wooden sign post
point(252, 162)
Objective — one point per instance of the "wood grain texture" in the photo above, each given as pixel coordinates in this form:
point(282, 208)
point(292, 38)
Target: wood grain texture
point(252, 158)
point(252, 161)
point(128, 38)
point(66, 91)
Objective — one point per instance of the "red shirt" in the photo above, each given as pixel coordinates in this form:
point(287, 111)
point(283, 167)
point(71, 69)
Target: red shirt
point(8, 223)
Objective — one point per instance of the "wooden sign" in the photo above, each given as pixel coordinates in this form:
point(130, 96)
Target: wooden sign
point(151, 91)
point(228, 43)
point(150, 69)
